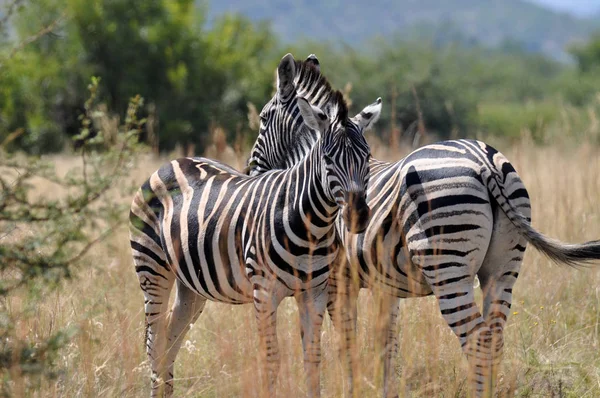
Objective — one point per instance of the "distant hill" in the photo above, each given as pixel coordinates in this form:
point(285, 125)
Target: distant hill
point(581, 8)
point(489, 22)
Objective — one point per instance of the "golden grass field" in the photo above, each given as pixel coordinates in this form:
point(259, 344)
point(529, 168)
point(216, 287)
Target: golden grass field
point(552, 337)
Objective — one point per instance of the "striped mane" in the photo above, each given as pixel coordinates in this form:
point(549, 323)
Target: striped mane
point(316, 89)
point(290, 140)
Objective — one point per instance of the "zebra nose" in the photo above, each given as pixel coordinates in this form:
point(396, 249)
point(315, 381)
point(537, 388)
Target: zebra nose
point(357, 213)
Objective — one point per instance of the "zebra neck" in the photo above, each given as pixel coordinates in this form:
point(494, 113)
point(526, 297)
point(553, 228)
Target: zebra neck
point(303, 139)
point(314, 201)
point(300, 146)
point(314, 91)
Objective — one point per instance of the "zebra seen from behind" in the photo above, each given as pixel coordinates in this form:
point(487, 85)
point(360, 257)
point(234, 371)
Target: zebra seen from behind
point(446, 213)
point(224, 236)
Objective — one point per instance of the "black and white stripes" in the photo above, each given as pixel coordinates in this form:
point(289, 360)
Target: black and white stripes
point(446, 213)
point(227, 237)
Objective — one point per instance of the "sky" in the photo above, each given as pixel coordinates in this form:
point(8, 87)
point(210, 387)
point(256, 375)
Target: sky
point(581, 8)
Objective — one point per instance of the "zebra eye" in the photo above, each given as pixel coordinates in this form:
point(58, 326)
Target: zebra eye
point(266, 114)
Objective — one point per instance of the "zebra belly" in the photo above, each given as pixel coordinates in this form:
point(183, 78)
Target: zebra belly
point(217, 289)
point(212, 276)
point(383, 264)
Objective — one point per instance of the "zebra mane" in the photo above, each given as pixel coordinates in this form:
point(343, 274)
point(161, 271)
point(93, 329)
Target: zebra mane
point(316, 89)
point(287, 146)
point(337, 106)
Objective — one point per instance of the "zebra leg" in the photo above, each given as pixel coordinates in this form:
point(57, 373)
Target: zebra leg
point(498, 275)
point(452, 285)
point(311, 306)
point(389, 308)
point(157, 287)
point(186, 309)
point(496, 307)
point(458, 307)
point(266, 301)
point(341, 306)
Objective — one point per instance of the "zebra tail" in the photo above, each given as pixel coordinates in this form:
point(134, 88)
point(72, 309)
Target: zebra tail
point(574, 255)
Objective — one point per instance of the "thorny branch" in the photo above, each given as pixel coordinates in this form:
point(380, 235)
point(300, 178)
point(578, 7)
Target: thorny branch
point(42, 254)
point(83, 251)
point(50, 248)
point(42, 32)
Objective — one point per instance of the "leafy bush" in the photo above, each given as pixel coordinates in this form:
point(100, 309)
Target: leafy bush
point(44, 235)
point(512, 120)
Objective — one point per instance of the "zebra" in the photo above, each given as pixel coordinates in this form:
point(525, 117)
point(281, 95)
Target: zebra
point(444, 214)
point(224, 236)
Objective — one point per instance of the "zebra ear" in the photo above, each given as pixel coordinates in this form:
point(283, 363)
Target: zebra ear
point(286, 71)
point(368, 116)
point(314, 61)
point(314, 118)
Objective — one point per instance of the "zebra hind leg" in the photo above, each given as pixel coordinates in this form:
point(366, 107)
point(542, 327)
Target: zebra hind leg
point(452, 284)
point(498, 275)
point(458, 307)
point(186, 309)
point(156, 286)
point(311, 306)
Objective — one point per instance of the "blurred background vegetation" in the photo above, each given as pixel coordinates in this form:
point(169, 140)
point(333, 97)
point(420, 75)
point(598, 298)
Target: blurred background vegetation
point(188, 77)
point(468, 67)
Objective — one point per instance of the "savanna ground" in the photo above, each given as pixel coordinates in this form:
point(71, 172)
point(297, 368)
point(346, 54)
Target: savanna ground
point(551, 344)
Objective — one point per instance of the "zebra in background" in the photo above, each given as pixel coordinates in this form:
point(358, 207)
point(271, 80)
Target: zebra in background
point(224, 236)
point(446, 213)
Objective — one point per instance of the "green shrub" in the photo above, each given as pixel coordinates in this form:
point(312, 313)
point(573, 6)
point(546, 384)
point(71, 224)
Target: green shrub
point(45, 235)
point(511, 120)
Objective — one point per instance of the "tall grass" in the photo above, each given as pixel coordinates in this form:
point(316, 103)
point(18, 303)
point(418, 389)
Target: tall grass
point(552, 336)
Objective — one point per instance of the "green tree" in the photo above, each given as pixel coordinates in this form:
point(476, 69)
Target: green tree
point(588, 55)
point(247, 55)
point(411, 78)
point(42, 78)
point(191, 76)
point(154, 48)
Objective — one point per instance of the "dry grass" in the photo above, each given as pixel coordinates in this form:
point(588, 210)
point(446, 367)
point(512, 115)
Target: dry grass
point(551, 338)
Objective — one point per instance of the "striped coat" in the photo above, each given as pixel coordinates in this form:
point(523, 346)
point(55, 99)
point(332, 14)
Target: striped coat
point(223, 236)
point(441, 216)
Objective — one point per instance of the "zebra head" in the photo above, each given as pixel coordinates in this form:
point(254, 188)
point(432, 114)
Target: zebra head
point(283, 138)
point(344, 156)
point(290, 127)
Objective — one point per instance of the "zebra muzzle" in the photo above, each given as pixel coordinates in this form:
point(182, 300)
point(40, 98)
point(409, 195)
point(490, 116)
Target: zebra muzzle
point(356, 213)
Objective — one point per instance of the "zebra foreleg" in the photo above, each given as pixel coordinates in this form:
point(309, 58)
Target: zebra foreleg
point(266, 301)
point(341, 306)
point(389, 308)
point(186, 309)
point(157, 289)
point(311, 306)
